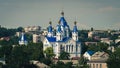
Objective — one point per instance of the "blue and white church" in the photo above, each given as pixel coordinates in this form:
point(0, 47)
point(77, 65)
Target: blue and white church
point(23, 40)
point(61, 39)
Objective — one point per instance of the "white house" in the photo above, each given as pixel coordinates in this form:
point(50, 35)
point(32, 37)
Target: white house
point(88, 54)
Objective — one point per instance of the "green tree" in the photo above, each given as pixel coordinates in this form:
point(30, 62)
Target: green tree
point(5, 52)
point(69, 65)
point(4, 32)
point(13, 40)
point(1, 65)
point(64, 56)
point(35, 51)
point(61, 64)
point(117, 44)
point(83, 34)
point(82, 63)
point(47, 61)
point(114, 59)
point(98, 47)
point(84, 48)
point(93, 47)
point(20, 29)
point(103, 46)
point(29, 37)
point(18, 58)
point(49, 52)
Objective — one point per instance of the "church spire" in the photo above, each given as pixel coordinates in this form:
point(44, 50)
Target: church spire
point(50, 27)
point(50, 22)
point(75, 27)
point(59, 33)
point(75, 32)
point(50, 31)
point(62, 13)
point(59, 27)
point(75, 23)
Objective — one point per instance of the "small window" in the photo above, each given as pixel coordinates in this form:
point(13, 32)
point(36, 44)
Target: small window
point(96, 65)
point(93, 65)
point(66, 48)
point(89, 65)
point(69, 48)
point(100, 65)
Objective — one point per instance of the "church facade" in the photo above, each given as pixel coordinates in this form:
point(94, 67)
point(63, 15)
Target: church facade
point(61, 39)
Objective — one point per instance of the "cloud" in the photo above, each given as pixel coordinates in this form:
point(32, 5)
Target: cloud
point(82, 26)
point(115, 25)
point(108, 9)
point(105, 9)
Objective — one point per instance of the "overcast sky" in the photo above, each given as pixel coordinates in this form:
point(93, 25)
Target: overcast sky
point(99, 14)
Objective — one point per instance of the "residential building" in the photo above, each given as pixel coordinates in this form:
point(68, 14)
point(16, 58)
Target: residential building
point(18, 34)
point(117, 41)
point(97, 64)
point(44, 32)
point(32, 28)
point(99, 56)
point(98, 33)
point(111, 48)
point(106, 40)
point(90, 43)
point(36, 38)
point(98, 60)
point(88, 54)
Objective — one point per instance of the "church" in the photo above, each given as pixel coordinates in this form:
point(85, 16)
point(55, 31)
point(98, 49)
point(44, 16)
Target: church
point(60, 40)
point(23, 39)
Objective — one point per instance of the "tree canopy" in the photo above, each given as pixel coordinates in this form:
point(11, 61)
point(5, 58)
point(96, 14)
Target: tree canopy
point(114, 59)
point(98, 47)
point(49, 52)
point(4, 32)
point(61, 64)
point(20, 56)
point(64, 56)
point(82, 63)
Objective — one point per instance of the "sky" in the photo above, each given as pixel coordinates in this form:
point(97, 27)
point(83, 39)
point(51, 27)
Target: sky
point(99, 14)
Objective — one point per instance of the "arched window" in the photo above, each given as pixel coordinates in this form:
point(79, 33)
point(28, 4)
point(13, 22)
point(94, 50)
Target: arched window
point(96, 65)
point(76, 48)
point(72, 48)
point(60, 48)
point(100, 65)
point(89, 65)
point(93, 65)
point(66, 48)
point(69, 48)
point(63, 48)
